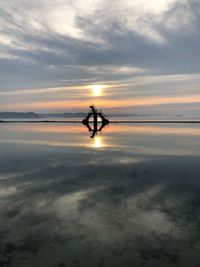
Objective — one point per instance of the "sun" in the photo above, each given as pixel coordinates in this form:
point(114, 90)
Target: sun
point(97, 89)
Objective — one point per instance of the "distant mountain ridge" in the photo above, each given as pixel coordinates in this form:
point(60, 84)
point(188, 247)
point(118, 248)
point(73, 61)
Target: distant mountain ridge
point(33, 115)
point(68, 115)
point(64, 115)
point(14, 115)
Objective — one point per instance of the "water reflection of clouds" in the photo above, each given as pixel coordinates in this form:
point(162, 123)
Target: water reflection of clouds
point(129, 206)
point(114, 137)
point(156, 129)
point(106, 207)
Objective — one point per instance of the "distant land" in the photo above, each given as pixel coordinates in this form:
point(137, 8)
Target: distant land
point(33, 115)
point(16, 115)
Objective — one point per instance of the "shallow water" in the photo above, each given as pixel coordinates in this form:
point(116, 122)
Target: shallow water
point(128, 197)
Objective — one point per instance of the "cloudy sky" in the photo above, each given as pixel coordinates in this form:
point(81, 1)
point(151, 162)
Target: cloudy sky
point(134, 56)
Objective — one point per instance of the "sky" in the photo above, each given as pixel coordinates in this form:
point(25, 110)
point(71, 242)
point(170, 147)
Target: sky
point(129, 56)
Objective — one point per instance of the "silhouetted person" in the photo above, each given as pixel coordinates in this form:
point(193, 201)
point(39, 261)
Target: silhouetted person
point(95, 115)
point(103, 119)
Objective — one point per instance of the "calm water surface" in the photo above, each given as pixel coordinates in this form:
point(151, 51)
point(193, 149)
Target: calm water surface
point(128, 197)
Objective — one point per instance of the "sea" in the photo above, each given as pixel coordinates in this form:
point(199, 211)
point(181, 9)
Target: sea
point(130, 196)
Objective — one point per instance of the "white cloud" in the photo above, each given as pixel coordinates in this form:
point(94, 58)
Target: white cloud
point(47, 43)
point(140, 17)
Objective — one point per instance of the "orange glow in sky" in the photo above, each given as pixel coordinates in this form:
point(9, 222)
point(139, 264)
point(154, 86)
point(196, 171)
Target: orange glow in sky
point(82, 104)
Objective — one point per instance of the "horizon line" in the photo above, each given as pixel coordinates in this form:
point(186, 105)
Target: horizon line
point(110, 122)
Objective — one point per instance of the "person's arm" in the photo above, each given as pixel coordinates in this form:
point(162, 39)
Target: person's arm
point(104, 120)
point(93, 109)
point(86, 120)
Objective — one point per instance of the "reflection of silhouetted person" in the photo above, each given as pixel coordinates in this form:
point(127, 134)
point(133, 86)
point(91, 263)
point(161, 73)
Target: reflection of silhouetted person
point(95, 115)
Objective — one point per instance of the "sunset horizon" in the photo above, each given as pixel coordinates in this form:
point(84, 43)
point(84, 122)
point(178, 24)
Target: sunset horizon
point(99, 133)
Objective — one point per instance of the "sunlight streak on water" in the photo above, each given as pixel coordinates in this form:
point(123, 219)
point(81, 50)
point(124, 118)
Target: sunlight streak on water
point(97, 142)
